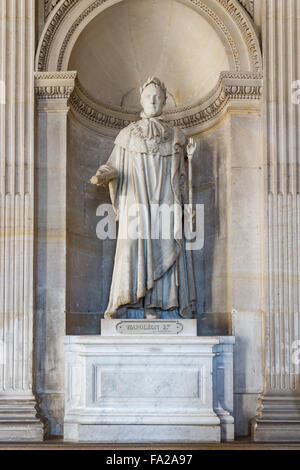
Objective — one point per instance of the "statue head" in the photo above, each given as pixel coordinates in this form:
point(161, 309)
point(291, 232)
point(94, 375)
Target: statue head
point(153, 97)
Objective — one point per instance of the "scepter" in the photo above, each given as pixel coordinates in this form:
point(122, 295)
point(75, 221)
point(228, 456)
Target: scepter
point(191, 147)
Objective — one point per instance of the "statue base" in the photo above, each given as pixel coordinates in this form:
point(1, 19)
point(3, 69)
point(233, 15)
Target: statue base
point(139, 384)
point(124, 327)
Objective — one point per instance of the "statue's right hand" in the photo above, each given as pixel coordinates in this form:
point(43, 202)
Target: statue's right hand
point(104, 175)
point(94, 180)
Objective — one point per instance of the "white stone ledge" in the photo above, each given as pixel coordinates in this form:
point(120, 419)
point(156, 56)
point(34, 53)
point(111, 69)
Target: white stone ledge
point(94, 339)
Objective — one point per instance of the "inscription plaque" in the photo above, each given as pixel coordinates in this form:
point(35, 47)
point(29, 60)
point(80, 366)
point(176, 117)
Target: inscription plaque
point(123, 327)
point(149, 327)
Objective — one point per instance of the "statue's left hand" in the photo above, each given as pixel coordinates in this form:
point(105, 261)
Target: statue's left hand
point(191, 147)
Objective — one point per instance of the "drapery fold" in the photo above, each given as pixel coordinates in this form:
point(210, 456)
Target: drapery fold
point(150, 273)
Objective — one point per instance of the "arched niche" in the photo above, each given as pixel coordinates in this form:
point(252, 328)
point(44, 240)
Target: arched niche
point(215, 88)
point(115, 45)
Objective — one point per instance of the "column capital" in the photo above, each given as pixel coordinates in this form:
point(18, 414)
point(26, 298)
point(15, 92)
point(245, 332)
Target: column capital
point(54, 87)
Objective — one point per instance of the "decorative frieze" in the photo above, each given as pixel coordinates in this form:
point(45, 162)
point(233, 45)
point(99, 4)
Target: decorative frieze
point(228, 18)
point(232, 86)
point(49, 5)
point(249, 6)
point(54, 85)
point(246, 30)
point(89, 9)
point(50, 32)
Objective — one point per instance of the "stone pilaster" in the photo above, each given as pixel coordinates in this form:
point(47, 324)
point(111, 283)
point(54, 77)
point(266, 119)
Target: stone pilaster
point(278, 417)
point(18, 420)
point(245, 262)
point(53, 91)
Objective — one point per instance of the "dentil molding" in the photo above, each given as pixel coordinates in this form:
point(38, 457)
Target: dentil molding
point(236, 91)
point(50, 4)
point(58, 25)
point(249, 6)
point(54, 85)
point(241, 88)
point(239, 91)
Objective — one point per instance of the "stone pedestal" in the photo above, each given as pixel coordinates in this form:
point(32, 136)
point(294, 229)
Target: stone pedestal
point(156, 387)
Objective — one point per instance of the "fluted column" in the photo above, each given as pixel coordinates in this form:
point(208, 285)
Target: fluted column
point(18, 419)
point(278, 415)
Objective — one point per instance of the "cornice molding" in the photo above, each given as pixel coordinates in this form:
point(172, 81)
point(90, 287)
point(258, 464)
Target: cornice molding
point(54, 85)
point(239, 91)
point(53, 23)
point(236, 12)
point(236, 90)
point(65, 9)
point(49, 5)
point(249, 6)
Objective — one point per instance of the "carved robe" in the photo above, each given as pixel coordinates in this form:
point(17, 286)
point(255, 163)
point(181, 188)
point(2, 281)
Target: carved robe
point(150, 273)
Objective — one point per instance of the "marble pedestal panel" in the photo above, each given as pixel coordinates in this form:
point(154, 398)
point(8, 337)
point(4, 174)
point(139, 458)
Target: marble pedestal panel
point(148, 388)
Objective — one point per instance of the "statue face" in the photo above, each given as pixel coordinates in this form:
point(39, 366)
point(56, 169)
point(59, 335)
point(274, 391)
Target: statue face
point(152, 100)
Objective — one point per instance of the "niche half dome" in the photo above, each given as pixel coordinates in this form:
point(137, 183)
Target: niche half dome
point(132, 40)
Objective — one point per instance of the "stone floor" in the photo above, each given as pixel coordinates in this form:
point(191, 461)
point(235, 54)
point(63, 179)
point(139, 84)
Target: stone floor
point(239, 444)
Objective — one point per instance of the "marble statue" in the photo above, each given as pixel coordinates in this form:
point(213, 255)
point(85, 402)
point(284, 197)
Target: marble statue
point(150, 165)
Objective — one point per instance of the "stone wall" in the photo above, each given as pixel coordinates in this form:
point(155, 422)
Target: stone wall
point(245, 173)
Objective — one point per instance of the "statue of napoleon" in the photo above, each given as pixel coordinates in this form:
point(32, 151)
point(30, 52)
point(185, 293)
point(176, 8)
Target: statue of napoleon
point(149, 166)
